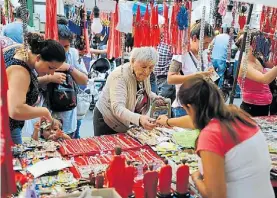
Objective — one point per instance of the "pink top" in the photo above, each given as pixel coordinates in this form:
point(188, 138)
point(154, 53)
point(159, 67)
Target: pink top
point(213, 138)
point(256, 93)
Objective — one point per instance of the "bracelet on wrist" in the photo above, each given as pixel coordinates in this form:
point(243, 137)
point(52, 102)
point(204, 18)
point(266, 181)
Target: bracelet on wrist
point(167, 123)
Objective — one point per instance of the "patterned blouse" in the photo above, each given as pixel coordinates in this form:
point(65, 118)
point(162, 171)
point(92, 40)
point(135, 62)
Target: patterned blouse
point(33, 93)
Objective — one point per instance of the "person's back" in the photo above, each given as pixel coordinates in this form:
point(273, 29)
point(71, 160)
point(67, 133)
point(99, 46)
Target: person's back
point(220, 47)
point(14, 31)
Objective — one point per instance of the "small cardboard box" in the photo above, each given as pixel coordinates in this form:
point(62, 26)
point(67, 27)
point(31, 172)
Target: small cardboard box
point(105, 193)
point(95, 193)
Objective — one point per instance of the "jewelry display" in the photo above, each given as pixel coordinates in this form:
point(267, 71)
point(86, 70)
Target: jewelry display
point(200, 65)
point(96, 145)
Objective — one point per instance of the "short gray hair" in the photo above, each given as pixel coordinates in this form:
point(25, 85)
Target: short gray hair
point(145, 54)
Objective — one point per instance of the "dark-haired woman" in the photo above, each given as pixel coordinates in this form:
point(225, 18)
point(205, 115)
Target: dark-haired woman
point(43, 57)
point(183, 66)
point(233, 150)
point(256, 94)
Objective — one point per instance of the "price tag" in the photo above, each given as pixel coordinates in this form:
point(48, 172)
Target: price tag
point(214, 76)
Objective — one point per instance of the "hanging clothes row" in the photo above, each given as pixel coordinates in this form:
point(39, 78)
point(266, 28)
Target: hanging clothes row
point(114, 42)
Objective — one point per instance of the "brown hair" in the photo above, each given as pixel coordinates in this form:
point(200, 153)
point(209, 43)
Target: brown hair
point(208, 103)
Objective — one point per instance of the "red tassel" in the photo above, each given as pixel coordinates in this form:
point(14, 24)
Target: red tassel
point(166, 25)
point(7, 173)
point(262, 18)
point(174, 28)
point(51, 27)
point(137, 29)
point(146, 29)
point(114, 42)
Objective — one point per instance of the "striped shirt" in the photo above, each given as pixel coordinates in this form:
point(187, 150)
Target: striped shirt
point(118, 99)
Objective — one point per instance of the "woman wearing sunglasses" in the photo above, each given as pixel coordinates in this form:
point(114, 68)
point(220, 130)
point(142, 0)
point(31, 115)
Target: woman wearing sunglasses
point(127, 95)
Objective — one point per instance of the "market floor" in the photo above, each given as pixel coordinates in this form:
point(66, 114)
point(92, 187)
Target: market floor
point(87, 124)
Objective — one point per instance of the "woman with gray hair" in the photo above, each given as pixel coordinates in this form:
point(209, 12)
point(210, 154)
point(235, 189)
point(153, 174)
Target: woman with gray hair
point(127, 95)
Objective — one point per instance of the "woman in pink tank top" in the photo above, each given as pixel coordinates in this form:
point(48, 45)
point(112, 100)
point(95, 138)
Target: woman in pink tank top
point(256, 94)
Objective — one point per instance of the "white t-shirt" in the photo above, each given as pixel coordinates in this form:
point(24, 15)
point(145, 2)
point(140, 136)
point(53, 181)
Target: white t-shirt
point(188, 67)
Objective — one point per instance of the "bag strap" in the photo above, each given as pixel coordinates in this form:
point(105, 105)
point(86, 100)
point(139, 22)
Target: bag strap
point(193, 60)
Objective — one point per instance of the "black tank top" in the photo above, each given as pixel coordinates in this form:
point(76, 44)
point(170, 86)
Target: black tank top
point(32, 94)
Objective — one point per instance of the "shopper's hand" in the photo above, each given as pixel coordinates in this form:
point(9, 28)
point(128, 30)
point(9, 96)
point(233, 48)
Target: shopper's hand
point(64, 67)
point(147, 123)
point(206, 73)
point(58, 78)
point(46, 114)
point(37, 126)
point(162, 120)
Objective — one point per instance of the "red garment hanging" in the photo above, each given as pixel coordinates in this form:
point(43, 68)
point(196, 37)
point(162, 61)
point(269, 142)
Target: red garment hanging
point(187, 36)
point(51, 27)
point(85, 32)
point(114, 42)
point(155, 30)
point(7, 173)
point(146, 29)
point(174, 28)
point(137, 29)
point(262, 17)
point(166, 25)
point(273, 22)
point(242, 21)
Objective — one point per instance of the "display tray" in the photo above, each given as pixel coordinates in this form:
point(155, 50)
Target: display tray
point(97, 145)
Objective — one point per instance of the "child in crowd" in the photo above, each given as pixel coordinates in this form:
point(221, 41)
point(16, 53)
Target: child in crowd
point(49, 131)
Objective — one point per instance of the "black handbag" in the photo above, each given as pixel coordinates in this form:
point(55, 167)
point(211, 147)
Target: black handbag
point(62, 97)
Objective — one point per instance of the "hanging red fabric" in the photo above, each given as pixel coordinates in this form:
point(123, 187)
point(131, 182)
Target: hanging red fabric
point(85, 32)
point(146, 29)
point(155, 30)
point(174, 28)
point(51, 27)
point(114, 42)
point(242, 21)
point(137, 29)
point(189, 8)
point(262, 17)
point(166, 25)
point(273, 22)
point(7, 173)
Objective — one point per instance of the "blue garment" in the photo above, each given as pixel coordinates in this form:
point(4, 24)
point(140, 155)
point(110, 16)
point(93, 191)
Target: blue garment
point(69, 118)
point(178, 112)
point(16, 135)
point(220, 67)
point(220, 45)
point(14, 31)
point(164, 89)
